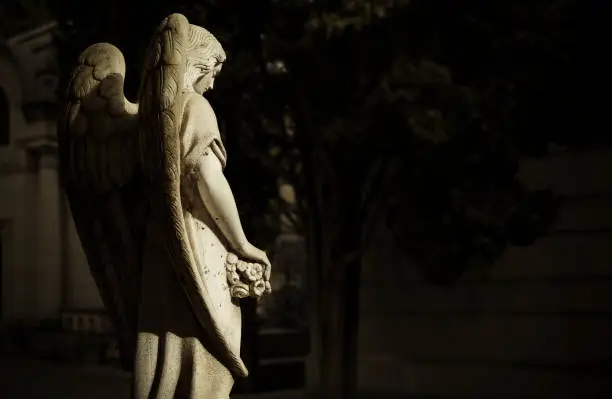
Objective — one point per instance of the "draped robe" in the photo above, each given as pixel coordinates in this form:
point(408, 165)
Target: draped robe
point(174, 356)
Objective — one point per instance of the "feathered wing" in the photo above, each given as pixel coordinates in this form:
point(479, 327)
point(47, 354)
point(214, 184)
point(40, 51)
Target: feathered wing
point(102, 177)
point(161, 114)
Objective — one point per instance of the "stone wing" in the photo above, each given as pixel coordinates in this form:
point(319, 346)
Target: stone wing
point(100, 168)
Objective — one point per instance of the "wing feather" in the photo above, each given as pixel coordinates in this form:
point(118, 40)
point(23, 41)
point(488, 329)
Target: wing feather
point(102, 177)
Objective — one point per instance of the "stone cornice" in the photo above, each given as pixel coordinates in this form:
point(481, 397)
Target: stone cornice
point(29, 155)
point(40, 144)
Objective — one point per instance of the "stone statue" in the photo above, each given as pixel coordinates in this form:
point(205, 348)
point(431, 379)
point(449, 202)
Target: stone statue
point(156, 217)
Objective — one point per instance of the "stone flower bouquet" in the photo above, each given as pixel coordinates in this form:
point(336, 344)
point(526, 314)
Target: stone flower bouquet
point(246, 279)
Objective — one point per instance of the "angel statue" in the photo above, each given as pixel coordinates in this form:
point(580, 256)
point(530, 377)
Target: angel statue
point(156, 216)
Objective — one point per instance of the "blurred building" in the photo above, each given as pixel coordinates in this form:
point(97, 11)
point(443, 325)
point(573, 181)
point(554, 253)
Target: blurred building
point(43, 269)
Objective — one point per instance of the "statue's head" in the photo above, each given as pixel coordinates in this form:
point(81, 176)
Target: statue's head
point(204, 58)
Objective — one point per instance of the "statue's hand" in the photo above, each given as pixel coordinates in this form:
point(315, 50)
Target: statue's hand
point(254, 254)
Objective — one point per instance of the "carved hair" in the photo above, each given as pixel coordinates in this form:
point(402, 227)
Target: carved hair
point(202, 45)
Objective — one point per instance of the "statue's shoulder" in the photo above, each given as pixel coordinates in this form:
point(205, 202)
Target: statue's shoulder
point(197, 102)
point(197, 108)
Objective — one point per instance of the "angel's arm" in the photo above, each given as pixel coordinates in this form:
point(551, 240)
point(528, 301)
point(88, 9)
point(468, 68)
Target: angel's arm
point(219, 200)
point(213, 187)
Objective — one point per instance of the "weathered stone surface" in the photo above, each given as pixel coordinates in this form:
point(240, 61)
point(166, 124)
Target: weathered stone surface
point(166, 246)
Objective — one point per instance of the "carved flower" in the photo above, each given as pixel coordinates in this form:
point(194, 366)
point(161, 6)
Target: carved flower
point(232, 258)
point(245, 278)
point(258, 288)
point(233, 278)
point(240, 290)
point(230, 267)
point(241, 266)
point(254, 272)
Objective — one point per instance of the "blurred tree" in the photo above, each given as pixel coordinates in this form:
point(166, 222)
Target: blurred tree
point(415, 110)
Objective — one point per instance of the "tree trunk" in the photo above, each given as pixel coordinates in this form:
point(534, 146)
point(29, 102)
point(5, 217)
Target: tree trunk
point(338, 311)
point(337, 284)
point(338, 329)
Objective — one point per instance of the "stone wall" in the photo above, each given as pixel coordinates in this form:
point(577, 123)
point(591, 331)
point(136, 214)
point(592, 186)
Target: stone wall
point(537, 327)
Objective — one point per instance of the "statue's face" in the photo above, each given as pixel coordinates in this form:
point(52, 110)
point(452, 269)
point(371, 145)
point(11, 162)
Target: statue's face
point(203, 74)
